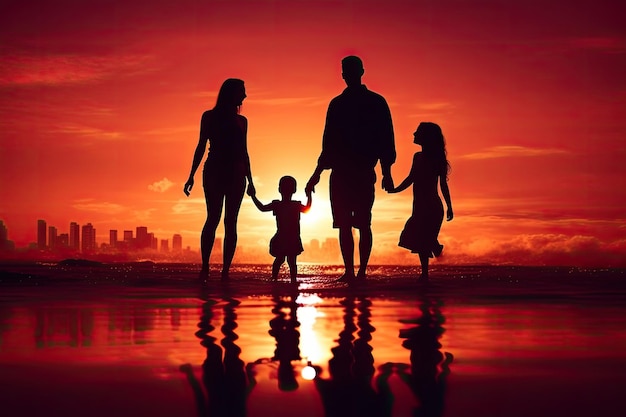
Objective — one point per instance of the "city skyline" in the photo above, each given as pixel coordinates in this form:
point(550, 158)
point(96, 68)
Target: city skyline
point(140, 244)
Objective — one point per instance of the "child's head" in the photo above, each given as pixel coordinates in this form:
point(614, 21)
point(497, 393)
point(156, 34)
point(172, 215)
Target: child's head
point(287, 185)
point(430, 137)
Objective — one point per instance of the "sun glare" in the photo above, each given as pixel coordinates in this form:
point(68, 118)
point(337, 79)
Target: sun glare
point(315, 215)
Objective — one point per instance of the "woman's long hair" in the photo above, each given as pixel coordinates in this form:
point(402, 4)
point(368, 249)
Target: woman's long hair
point(434, 146)
point(226, 96)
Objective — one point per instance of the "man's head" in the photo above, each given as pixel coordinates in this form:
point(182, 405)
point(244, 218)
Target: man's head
point(352, 70)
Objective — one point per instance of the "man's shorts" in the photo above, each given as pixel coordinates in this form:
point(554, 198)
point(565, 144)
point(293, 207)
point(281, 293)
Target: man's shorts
point(351, 199)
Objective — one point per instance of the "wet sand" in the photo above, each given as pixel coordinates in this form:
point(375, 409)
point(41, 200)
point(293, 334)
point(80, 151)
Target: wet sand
point(101, 340)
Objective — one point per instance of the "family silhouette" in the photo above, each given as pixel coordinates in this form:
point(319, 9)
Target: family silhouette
point(358, 134)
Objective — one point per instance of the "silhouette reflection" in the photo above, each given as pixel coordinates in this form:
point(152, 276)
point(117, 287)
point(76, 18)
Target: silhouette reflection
point(429, 366)
point(284, 328)
point(226, 380)
point(349, 390)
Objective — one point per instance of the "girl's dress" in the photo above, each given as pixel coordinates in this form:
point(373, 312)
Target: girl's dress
point(286, 241)
point(422, 229)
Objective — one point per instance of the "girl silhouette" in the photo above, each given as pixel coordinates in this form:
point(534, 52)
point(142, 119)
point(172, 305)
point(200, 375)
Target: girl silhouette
point(430, 167)
point(225, 171)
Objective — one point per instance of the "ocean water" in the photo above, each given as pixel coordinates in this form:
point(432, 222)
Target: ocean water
point(147, 339)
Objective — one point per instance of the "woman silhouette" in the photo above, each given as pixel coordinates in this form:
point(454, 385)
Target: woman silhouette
point(225, 171)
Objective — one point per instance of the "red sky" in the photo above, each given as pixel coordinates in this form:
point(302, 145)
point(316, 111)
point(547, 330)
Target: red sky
point(100, 106)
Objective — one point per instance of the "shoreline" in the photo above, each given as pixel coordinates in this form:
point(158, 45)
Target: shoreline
point(504, 283)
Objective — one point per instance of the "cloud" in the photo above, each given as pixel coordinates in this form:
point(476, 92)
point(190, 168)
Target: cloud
point(87, 131)
point(433, 109)
point(608, 44)
point(287, 101)
point(103, 207)
point(22, 69)
point(161, 186)
point(512, 151)
point(190, 206)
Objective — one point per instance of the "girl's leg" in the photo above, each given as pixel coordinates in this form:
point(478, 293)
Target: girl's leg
point(278, 262)
point(293, 268)
point(214, 200)
point(234, 196)
point(424, 262)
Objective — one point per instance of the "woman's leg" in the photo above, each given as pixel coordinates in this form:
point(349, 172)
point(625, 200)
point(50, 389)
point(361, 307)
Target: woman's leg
point(214, 200)
point(293, 268)
point(234, 196)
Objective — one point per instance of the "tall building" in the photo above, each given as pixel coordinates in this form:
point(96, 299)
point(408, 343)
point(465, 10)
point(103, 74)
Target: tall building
point(165, 246)
point(177, 243)
point(89, 238)
point(41, 234)
point(52, 237)
point(4, 233)
point(113, 238)
point(74, 236)
point(143, 240)
point(62, 240)
point(128, 236)
point(5, 243)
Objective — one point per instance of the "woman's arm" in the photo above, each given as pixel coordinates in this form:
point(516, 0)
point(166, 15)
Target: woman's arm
point(198, 154)
point(245, 139)
point(443, 183)
point(263, 207)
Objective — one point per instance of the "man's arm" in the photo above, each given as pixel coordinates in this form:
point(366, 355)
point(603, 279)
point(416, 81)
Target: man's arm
point(388, 147)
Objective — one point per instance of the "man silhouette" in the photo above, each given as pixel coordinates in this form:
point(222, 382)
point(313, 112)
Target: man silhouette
point(358, 133)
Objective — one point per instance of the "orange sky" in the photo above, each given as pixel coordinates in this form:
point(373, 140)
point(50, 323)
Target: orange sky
point(100, 108)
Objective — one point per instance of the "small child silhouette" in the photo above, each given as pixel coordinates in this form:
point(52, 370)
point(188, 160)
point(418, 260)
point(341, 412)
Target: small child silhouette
point(286, 243)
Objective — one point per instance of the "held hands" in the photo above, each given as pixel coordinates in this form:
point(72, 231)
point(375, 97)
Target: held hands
point(251, 190)
point(188, 186)
point(387, 184)
point(310, 186)
point(450, 215)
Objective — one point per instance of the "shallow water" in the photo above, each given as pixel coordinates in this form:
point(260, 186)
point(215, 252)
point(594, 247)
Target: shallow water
point(223, 352)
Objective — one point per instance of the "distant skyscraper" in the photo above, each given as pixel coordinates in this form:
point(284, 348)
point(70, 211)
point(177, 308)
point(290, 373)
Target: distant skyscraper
point(74, 236)
point(89, 238)
point(113, 238)
point(4, 232)
point(62, 240)
point(4, 236)
point(41, 234)
point(52, 237)
point(128, 236)
point(177, 243)
point(165, 247)
point(143, 240)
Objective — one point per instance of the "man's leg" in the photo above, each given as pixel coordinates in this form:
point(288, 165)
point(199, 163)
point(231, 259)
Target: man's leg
point(365, 249)
point(346, 243)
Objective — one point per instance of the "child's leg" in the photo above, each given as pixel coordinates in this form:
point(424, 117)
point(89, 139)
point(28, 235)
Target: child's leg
point(278, 262)
point(424, 262)
point(293, 268)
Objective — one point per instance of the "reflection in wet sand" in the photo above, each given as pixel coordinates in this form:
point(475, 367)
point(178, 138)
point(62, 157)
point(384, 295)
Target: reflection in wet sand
point(373, 356)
